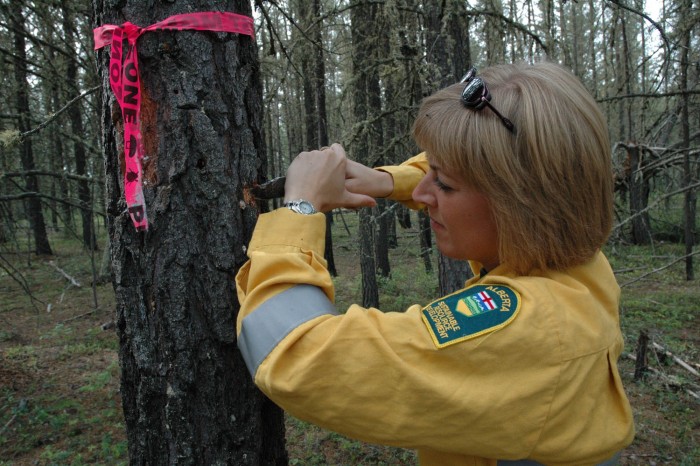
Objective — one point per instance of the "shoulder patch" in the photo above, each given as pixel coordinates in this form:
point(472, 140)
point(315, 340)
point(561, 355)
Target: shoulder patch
point(469, 313)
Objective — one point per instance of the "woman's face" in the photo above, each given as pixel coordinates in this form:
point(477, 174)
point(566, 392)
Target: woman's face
point(460, 216)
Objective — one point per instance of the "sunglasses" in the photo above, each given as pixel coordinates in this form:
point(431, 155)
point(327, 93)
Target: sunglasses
point(477, 96)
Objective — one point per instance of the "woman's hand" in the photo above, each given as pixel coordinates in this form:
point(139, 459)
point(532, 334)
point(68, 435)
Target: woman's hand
point(361, 179)
point(319, 177)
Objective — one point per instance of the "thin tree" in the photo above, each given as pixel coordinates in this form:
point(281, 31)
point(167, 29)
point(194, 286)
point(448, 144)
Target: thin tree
point(77, 127)
point(319, 77)
point(33, 207)
point(380, 54)
point(314, 85)
point(361, 17)
point(689, 202)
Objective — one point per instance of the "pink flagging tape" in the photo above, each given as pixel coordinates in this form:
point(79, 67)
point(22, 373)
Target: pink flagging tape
point(126, 86)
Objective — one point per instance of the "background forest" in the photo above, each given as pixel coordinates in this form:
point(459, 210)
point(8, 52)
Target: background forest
point(352, 72)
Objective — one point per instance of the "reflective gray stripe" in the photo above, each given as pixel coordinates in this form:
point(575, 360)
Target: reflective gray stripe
point(266, 326)
point(611, 462)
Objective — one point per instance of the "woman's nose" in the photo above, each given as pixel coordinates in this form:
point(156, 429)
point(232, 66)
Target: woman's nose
point(422, 192)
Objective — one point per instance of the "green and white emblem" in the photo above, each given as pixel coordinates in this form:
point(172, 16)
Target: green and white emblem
point(470, 312)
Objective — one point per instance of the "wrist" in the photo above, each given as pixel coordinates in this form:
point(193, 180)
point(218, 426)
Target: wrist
point(301, 206)
point(385, 183)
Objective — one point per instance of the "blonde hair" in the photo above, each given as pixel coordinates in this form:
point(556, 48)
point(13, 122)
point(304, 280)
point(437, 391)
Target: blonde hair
point(550, 184)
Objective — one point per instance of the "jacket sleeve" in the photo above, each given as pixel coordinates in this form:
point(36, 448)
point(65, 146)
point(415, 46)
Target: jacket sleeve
point(285, 265)
point(406, 176)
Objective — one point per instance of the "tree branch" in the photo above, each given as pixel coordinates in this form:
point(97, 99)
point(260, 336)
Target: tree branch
point(17, 276)
point(658, 27)
point(43, 125)
point(72, 280)
point(69, 176)
point(520, 27)
point(656, 202)
point(31, 194)
point(676, 359)
point(271, 28)
point(660, 269)
point(647, 96)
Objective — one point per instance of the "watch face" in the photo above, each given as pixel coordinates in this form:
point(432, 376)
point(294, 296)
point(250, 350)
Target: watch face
point(301, 207)
point(306, 208)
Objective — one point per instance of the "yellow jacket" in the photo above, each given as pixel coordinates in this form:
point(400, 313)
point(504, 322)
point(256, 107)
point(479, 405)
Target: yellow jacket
point(511, 367)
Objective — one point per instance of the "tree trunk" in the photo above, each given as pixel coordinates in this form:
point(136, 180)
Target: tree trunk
point(187, 395)
point(689, 200)
point(368, 265)
point(319, 125)
point(452, 273)
point(404, 216)
point(412, 69)
point(32, 204)
point(426, 243)
point(307, 76)
point(319, 75)
point(460, 41)
point(79, 152)
point(565, 45)
point(593, 56)
point(362, 18)
point(59, 186)
point(381, 243)
point(641, 365)
point(638, 197)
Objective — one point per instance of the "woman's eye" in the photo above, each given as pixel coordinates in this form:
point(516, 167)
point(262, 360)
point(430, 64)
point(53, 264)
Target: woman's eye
point(442, 186)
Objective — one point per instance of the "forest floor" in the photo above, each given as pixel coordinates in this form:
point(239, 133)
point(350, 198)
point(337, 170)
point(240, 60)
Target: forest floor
point(59, 369)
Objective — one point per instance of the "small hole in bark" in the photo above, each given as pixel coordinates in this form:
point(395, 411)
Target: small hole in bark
point(201, 163)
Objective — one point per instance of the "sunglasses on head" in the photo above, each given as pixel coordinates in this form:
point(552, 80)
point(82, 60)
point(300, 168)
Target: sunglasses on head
point(476, 96)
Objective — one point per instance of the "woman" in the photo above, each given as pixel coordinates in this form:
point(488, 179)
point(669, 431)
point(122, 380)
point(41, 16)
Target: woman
point(521, 364)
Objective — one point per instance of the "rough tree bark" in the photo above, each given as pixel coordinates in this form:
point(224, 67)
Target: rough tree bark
point(186, 394)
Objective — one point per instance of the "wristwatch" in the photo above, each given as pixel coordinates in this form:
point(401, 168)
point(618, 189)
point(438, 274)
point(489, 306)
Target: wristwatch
point(301, 206)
